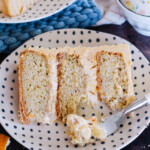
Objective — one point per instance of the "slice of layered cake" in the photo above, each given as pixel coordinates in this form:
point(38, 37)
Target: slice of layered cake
point(37, 86)
point(67, 77)
point(13, 8)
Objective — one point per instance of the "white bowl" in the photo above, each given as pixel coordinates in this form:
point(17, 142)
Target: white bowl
point(141, 7)
point(139, 22)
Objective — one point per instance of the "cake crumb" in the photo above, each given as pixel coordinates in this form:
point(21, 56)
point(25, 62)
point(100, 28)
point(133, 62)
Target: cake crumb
point(131, 115)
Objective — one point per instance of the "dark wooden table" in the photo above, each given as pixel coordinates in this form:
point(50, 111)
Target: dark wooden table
point(143, 43)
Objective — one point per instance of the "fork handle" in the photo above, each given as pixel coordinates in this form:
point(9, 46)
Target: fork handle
point(138, 104)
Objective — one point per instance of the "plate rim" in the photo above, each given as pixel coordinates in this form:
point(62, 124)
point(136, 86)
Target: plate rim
point(80, 29)
point(38, 18)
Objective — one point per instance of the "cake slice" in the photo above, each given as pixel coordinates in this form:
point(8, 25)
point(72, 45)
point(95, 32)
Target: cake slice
point(114, 84)
point(13, 8)
point(37, 86)
point(56, 82)
point(81, 130)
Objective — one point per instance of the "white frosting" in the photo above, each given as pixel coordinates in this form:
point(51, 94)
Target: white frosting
point(53, 91)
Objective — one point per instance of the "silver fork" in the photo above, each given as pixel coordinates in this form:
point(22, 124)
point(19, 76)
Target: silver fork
point(112, 123)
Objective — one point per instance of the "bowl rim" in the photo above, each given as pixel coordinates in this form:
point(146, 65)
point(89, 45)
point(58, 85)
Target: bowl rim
point(122, 6)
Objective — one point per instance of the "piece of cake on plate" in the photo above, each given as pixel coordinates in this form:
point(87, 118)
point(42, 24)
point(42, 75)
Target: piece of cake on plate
point(13, 8)
point(55, 82)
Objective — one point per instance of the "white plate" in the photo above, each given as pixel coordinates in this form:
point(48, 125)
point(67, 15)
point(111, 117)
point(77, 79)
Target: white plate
point(38, 136)
point(42, 9)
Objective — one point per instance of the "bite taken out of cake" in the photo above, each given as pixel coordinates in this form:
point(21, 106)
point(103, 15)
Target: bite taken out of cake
point(82, 130)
